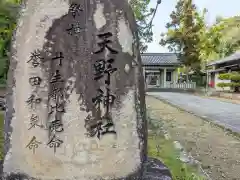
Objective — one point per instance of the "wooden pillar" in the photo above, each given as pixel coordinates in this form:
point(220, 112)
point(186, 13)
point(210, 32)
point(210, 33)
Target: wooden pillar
point(144, 76)
point(175, 76)
point(160, 77)
point(164, 77)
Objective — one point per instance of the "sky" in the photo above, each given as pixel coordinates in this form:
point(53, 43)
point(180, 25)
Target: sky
point(215, 8)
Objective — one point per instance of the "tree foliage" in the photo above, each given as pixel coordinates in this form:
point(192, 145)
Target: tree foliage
point(188, 34)
point(182, 35)
point(221, 39)
point(144, 17)
point(8, 14)
point(230, 36)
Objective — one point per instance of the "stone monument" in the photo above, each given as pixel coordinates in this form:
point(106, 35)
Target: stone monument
point(75, 99)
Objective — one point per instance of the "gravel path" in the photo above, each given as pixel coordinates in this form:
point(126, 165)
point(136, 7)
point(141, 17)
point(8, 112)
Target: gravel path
point(223, 113)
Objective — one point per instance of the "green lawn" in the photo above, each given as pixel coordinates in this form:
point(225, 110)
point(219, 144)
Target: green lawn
point(169, 155)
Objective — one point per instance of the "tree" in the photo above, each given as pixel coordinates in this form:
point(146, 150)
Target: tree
point(230, 36)
point(220, 40)
point(210, 39)
point(144, 17)
point(182, 36)
point(8, 14)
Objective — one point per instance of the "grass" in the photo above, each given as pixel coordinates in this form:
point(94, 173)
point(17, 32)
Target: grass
point(167, 153)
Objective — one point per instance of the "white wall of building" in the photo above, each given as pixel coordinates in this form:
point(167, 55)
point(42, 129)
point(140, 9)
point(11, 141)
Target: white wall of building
point(161, 82)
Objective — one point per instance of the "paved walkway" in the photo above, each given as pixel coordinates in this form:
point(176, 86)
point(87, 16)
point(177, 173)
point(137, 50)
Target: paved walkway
point(223, 113)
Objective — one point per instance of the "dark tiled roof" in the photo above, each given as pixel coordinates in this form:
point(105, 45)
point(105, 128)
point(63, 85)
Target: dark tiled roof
point(233, 57)
point(160, 59)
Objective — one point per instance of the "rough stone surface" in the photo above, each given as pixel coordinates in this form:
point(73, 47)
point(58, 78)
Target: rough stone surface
point(43, 27)
point(153, 169)
point(156, 170)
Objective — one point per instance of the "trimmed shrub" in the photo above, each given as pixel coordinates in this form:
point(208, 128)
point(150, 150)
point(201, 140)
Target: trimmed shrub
point(234, 84)
point(224, 76)
point(235, 80)
point(222, 84)
point(235, 77)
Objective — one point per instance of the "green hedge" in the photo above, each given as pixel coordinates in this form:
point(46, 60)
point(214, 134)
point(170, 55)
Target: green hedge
point(225, 76)
point(232, 84)
point(230, 76)
point(222, 84)
point(234, 77)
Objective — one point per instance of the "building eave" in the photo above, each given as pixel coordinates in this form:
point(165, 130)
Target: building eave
point(162, 64)
point(234, 57)
point(160, 59)
point(216, 70)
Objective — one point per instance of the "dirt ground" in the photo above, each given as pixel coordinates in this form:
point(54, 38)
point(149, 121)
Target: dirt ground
point(218, 151)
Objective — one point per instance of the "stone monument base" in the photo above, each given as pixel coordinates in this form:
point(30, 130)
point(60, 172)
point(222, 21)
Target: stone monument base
point(154, 169)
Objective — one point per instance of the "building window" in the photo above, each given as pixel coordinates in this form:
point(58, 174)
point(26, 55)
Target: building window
point(169, 76)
